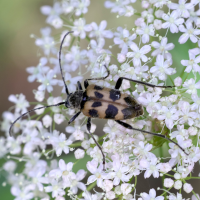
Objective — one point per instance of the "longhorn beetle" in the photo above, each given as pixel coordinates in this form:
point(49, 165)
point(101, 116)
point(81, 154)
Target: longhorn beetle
point(104, 103)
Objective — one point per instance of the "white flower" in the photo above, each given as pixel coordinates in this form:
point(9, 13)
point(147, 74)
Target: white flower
point(39, 95)
point(138, 54)
point(174, 197)
point(119, 170)
point(98, 174)
point(123, 39)
point(159, 3)
point(172, 21)
point(150, 167)
point(13, 145)
point(187, 187)
point(182, 8)
point(193, 61)
point(70, 82)
point(181, 131)
point(80, 28)
point(178, 81)
point(178, 185)
point(161, 68)
point(168, 182)
point(79, 153)
point(107, 185)
point(20, 101)
point(57, 23)
point(191, 86)
point(52, 12)
point(60, 144)
point(74, 181)
point(161, 47)
point(56, 188)
point(143, 150)
point(187, 116)
point(157, 24)
point(65, 170)
point(189, 32)
point(126, 188)
point(36, 72)
point(151, 195)
point(23, 193)
point(149, 101)
point(99, 32)
point(47, 43)
point(76, 58)
point(110, 195)
point(10, 166)
point(194, 197)
point(146, 31)
point(47, 121)
point(164, 167)
point(169, 115)
point(47, 81)
point(81, 7)
point(117, 6)
point(37, 178)
point(59, 118)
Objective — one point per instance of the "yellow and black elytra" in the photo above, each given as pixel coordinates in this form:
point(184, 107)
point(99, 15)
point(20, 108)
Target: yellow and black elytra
point(104, 103)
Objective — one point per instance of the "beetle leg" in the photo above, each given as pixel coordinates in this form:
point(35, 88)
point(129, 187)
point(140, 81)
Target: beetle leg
point(86, 83)
point(79, 87)
point(100, 148)
point(155, 134)
point(74, 117)
point(119, 83)
point(101, 78)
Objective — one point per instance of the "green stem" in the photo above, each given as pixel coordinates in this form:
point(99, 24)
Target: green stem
point(163, 177)
point(138, 14)
point(186, 77)
point(87, 38)
point(165, 192)
point(77, 144)
point(171, 80)
point(188, 178)
point(72, 42)
point(36, 103)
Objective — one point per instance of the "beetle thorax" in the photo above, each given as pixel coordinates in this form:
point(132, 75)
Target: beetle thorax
point(74, 100)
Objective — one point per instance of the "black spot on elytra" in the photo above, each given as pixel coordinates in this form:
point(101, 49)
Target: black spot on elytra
point(93, 113)
point(96, 87)
point(129, 113)
point(111, 112)
point(98, 95)
point(130, 101)
point(96, 104)
point(115, 95)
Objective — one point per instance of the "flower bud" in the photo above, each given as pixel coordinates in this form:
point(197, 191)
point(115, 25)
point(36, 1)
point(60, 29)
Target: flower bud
point(178, 81)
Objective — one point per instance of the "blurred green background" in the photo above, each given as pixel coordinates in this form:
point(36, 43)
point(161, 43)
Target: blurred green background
point(19, 19)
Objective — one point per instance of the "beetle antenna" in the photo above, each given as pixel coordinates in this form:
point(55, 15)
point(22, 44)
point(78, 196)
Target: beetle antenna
point(66, 89)
point(58, 104)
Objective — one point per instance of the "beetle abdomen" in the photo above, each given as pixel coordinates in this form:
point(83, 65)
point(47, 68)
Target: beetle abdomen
point(109, 103)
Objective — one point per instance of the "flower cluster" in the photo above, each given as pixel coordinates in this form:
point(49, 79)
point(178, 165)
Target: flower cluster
point(143, 55)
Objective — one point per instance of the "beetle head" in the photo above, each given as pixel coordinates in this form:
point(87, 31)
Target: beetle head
point(74, 100)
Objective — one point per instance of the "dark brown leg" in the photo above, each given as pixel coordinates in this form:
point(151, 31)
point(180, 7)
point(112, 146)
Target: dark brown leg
point(100, 148)
point(155, 134)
